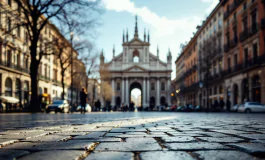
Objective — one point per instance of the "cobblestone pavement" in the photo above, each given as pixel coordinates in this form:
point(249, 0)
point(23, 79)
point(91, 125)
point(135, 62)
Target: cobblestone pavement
point(134, 136)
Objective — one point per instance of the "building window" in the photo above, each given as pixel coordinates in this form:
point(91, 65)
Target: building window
point(8, 87)
point(8, 24)
point(163, 86)
point(235, 60)
point(10, 3)
point(255, 51)
point(246, 55)
point(245, 6)
point(18, 31)
point(136, 59)
point(118, 86)
point(229, 63)
point(152, 86)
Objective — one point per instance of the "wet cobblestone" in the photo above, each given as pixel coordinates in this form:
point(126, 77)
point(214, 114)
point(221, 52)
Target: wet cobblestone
point(134, 136)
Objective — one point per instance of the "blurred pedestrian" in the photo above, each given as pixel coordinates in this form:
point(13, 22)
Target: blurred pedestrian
point(83, 98)
point(228, 105)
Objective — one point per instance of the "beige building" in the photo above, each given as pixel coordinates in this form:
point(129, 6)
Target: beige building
point(15, 61)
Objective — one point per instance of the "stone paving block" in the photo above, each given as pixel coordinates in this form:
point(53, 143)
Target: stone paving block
point(90, 135)
point(12, 154)
point(25, 135)
point(113, 134)
point(131, 144)
point(253, 136)
point(252, 148)
point(167, 155)
point(121, 130)
point(102, 139)
point(215, 134)
point(222, 139)
point(185, 134)
point(223, 155)
point(71, 133)
point(179, 139)
point(231, 132)
point(195, 146)
point(47, 138)
point(69, 145)
point(132, 136)
point(257, 141)
point(4, 142)
point(110, 156)
point(55, 155)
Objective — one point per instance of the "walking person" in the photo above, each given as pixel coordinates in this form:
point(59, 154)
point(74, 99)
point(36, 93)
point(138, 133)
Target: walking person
point(83, 97)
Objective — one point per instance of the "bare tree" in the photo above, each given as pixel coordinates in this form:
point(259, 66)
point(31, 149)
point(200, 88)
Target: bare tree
point(35, 15)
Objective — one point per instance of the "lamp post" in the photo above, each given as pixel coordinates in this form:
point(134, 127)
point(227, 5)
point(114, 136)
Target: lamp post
point(72, 82)
point(201, 86)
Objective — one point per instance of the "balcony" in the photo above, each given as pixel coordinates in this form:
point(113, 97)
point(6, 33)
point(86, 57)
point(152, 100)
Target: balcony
point(45, 78)
point(233, 42)
point(232, 7)
point(56, 82)
point(243, 35)
point(14, 66)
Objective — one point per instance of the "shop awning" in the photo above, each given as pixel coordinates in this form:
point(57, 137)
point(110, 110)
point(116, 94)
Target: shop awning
point(6, 99)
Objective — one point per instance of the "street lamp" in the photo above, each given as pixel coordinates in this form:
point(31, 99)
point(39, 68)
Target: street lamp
point(72, 82)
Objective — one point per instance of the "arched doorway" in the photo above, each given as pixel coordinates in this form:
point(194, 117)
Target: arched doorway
point(118, 102)
point(163, 101)
point(18, 90)
point(8, 87)
point(135, 95)
point(245, 90)
point(256, 89)
point(235, 94)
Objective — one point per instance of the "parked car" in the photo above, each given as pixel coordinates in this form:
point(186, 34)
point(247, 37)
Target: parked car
point(235, 107)
point(248, 107)
point(88, 108)
point(173, 107)
point(58, 106)
point(198, 109)
point(180, 108)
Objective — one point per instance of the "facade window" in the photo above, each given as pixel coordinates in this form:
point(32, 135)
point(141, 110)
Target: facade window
point(163, 86)
point(229, 63)
point(235, 60)
point(255, 50)
point(245, 6)
point(18, 31)
point(118, 86)
point(45, 70)
point(8, 24)
point(246, 55)
point(152, 86)
point(10, 3)
point(0, 82)
point(136, 59)
point(8, 87)
point(245, 23)
point(254, 20)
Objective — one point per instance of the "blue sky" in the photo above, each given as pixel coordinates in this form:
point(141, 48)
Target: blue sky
point(170, 22)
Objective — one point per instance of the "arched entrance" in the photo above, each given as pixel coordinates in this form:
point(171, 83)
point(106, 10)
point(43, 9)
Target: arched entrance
point(8, 87)
point(163, 101)
point(135, 95)
point(235, 94)
point(256, 89)
point(18, 90)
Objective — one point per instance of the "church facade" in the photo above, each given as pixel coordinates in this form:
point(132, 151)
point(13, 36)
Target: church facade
point(137, 67)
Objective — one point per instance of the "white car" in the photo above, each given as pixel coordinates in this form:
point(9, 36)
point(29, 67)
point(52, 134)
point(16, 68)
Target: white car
point(235, 107)
point(58, 106)
point(251, 107)
point(88, 108)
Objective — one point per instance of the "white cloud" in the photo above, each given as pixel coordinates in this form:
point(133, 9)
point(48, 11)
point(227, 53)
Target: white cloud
point(162, 25)
point(212, 5)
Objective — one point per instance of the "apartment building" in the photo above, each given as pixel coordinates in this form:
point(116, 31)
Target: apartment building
point(244, 50)
point(15, 60)
point(180, 80)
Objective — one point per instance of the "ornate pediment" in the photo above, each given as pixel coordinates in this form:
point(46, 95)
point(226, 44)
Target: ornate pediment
point(136, 42)
point(135, 69)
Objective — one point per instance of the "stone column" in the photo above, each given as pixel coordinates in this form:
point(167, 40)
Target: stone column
point(144, 92)
point(114, 89)
point(127, 92)
point(122, 91)
point(157, 92)
point(169, 92)
point(148, 92)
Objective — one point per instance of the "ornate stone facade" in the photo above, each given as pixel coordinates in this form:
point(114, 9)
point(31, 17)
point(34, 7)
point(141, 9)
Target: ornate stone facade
point(137, 67)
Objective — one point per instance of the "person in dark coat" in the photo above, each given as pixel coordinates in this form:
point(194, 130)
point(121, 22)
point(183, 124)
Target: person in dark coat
point(228, 105)
point(83, 97)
